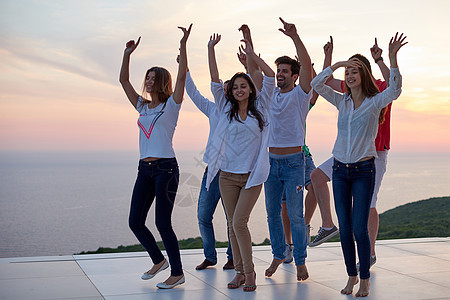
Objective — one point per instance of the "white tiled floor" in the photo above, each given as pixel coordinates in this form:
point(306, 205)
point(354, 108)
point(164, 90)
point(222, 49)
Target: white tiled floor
point(405, 269)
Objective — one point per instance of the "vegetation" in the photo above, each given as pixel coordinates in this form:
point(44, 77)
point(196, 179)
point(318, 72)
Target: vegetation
point(425, 218)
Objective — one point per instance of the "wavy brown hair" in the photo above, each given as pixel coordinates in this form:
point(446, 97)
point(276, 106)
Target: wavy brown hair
point(233, 113)
point(163, 85)
point(368, 83)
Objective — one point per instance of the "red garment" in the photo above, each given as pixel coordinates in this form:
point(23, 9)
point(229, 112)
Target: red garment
point(383, 139)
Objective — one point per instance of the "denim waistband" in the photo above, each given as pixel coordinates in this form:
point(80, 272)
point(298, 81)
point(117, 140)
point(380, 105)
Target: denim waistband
point(157, 162)
point(278, 156)
point(356, 164)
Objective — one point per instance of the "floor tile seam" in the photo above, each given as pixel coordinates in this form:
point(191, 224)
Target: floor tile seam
point(300, 282)
point(41, 261)
point(411, 276)
point(89, 278)
point(444, 286)
point(42, 277)
point(416, 253)
point(209, 285)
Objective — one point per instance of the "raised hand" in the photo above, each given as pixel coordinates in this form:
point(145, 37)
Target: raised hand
point(242, 58)
point(396, 43)
point(328, 47)
point(289, 29)
point(376, 51)
point(245, 30)
point(131, 46)
point(247, 47)
point(214, 39)
point(186, 33)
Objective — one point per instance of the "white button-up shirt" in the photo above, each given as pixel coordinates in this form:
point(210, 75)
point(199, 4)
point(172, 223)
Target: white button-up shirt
point(357, 128)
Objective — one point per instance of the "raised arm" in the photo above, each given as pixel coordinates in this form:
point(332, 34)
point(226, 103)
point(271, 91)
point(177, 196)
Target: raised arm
point(395, 80)
point(302, 54)
point(252, 66)
point(260, 63)
point(315, 94)
point(213, 70)
point(376, 55)
point(182, 67)
point(332, 82)
point(124, 76)
point(394, 45)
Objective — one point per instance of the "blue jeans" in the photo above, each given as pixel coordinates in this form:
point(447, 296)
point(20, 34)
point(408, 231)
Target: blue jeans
point(287, 172)
point(156, 179)
point(355, 182)
point(207, 203)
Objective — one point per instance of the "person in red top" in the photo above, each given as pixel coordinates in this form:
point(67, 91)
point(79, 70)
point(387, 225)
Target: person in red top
point(322, 174)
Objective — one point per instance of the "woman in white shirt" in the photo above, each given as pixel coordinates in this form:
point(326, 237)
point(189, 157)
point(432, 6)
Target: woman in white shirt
point(354, 152)
point(158, 169)
point(239, 150)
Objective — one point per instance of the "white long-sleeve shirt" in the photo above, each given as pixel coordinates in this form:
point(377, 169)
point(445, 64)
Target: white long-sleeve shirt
point(206, 106)
point(259, 169)
point(357, 128)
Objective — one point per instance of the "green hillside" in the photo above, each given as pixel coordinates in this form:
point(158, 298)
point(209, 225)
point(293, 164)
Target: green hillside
point(425, 218)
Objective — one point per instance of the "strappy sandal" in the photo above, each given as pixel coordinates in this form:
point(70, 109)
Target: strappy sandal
point(234, 285)
point(250, 287)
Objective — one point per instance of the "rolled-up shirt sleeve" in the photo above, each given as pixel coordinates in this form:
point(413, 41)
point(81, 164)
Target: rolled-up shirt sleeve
point(392, 92)
point(319, 85)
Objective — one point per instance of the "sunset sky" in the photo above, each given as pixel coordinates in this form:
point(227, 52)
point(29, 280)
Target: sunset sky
point(60, 62)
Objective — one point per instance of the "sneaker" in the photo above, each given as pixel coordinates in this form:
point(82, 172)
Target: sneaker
point(323, 236)
point(288, 254)
point(373, 260)
point(308, 234)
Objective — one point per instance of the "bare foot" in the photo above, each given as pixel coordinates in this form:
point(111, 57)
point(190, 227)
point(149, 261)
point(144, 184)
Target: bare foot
point(352, 280)
point(273, 266)
point(363, 288)
point(302, 273)
point(173, 279)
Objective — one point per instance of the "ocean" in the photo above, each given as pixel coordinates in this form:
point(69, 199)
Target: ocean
point(61, 203)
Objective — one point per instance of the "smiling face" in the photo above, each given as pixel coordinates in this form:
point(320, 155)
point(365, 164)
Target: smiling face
point(352, 77)
point(285, 79)
point(241, 89)
point(150, 82)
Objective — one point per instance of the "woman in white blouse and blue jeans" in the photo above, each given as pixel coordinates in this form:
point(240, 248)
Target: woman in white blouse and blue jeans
point(354, 152)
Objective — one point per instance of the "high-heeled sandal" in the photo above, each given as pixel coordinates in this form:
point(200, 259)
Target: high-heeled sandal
point(234, 285)
point(250, 287)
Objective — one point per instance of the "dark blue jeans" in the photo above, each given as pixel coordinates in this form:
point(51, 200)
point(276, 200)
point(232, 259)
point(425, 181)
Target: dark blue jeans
point(156, 179)
point(207, 203)
point(353, 186)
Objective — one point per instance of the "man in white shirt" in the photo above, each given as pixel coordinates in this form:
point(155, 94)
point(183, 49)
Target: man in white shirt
point(287, 117)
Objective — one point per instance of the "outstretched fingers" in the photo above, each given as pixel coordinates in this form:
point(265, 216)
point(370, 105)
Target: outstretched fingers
point(214, 39)
point(397, 42)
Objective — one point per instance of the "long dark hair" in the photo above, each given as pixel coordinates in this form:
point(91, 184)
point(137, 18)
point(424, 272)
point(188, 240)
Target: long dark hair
point(368, 84)
point(233, 113)
point(163, 85)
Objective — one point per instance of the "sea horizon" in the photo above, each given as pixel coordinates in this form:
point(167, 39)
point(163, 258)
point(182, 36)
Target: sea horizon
point(66, 202)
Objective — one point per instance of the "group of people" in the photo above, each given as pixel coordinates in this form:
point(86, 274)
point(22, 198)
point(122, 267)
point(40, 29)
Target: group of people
point(257, 136)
